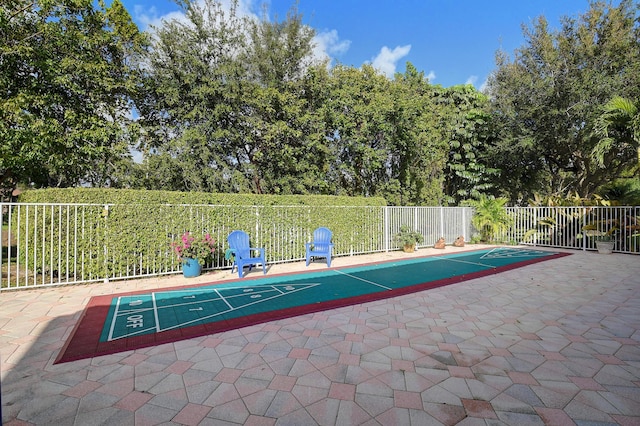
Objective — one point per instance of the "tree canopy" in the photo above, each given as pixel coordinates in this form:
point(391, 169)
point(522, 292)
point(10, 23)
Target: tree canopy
point(549, 97)
point(66, 79)
point(222, 102)
point(262, 115)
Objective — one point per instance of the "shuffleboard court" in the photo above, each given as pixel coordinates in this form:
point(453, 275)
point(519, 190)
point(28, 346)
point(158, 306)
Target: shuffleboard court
point(122, 322)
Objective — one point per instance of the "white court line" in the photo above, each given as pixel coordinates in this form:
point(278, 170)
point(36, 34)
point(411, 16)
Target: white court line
point(493, 250)
point(267, 289)
point(362, 279)
point(113, 320)
point(184, 324)
point(224, 299)
point(118, 312)
point(155, 312)
point(263, 289)
point(156, 309)
point(132, 334)
point(469, 263)
point(510, 253)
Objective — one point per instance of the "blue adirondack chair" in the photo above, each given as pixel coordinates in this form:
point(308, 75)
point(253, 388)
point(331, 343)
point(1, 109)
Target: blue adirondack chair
point(321, 245)
point(243, 254)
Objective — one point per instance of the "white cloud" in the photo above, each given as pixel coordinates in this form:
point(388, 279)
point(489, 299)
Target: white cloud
point(332, 43)
point(327, 44)
point(472, 80)
point(431, 76)
point(483, 86)
point(147, 17)
point(387, 59)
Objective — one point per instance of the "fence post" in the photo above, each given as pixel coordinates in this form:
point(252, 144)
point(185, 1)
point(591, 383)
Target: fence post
point(584, 236)
point(258, 237)
point(105, 214)
point(386, 227)
point(464, 222)
point(535, 225)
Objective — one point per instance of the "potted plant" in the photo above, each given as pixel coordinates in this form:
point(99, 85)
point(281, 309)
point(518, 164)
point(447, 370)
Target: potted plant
point(605, 243)
point(602, 232)
point(408, 238)
point(194, 252)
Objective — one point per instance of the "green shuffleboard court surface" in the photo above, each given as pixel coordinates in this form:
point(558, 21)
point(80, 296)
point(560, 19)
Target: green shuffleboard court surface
point(115, 323)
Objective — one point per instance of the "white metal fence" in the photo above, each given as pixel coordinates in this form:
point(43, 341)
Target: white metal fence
point(58, 244)
point(576, 227)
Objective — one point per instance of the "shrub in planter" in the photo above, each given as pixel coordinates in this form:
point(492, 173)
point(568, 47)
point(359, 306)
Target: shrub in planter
point(408, 238)
point(190, 246)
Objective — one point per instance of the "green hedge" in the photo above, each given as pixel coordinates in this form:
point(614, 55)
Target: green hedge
point(107, 233)
point(132, 196)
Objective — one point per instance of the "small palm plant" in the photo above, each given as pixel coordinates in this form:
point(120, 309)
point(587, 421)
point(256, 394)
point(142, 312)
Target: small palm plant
point(619, 130)
point(490, 217)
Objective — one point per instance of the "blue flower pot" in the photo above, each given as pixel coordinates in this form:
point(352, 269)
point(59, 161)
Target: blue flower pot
point(190, 267)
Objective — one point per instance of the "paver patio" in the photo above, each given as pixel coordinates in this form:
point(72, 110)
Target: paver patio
point(551, 343)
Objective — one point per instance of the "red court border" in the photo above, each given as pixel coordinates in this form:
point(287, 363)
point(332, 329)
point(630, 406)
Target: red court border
point(84, 341)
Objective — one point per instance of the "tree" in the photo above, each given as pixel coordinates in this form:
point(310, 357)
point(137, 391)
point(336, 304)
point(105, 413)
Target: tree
point(359, 130)
point(67, 72)
point(547, 99)
point(290, 155)
point(193, 101)
point(418, 142)
point(226, 102)
point(468, 133)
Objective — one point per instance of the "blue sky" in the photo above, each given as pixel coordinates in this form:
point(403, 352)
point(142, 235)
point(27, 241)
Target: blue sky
point(453, 42)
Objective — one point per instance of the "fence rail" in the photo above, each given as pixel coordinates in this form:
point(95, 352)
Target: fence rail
point(60, 244)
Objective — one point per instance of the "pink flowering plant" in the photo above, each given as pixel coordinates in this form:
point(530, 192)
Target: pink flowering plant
point(194, 247)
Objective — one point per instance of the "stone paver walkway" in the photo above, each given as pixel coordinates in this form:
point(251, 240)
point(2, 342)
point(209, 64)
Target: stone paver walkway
point(553, 343)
